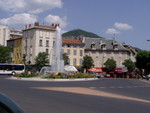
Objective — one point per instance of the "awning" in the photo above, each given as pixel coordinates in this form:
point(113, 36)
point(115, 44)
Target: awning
point(96, 69)
point(69, 68)
point(120, 70)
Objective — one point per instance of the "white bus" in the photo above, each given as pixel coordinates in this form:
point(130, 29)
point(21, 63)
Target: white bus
point(11, 69)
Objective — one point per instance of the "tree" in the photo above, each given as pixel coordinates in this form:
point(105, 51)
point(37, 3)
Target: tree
point(4, 54)
point(87, 62)
point(65, 58)
point(143, 61)
point(41, 60)
point(129, 64)
point(110, 65)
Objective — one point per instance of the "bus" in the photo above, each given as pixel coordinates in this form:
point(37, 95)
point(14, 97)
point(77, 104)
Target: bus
point(11, 69)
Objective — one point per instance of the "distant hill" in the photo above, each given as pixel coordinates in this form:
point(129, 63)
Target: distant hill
point(79, 32)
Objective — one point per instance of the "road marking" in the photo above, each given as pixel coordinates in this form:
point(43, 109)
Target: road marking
point(120, 87)
point(102, 87)
point(112, 87)
point(92, 87)
point(88, 91)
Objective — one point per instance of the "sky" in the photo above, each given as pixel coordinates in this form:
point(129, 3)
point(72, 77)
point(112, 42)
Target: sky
point(126, 20)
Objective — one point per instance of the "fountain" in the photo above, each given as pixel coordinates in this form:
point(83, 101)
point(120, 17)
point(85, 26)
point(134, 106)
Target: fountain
point(57, 62)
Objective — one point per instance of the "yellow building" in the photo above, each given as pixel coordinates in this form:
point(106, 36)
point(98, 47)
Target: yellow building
point(15, 42)
point(17, 53)
point(75, 50)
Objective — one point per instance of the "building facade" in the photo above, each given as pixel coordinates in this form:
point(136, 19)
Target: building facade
point(39, 38)
point(100, 49)
point(15, 42)
point(4, 35)
point(75, 51)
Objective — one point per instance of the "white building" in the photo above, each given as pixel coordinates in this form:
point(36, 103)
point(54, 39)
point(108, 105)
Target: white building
point(4, 35)
point(39, 38)
point(100, 49)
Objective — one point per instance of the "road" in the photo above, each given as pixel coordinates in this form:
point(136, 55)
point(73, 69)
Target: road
point(97, 96)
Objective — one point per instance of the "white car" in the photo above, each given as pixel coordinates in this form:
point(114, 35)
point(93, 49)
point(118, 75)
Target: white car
point(147, 77)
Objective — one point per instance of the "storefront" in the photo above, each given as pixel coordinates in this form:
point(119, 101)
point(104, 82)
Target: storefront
point(96, 71)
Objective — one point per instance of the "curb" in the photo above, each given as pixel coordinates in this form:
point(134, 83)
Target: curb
point(59, 80)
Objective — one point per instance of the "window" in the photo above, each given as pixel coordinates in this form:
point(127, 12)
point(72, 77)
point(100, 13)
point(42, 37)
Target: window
point(103, 47)
point(40, 42)
point(74, 61)
point(69, 61)
point(47, 43)
point(93, 46)
point(30, 49)
point(68, 51)
point(68, 45)
point(81, 61)
point(47, 51)
point(81, 52)
point(53, 43)
point(74, 52)
point(115, 47)
point(41, 34)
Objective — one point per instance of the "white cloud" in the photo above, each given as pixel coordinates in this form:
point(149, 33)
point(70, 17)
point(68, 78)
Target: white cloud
point(112, 31)
point(19, 19)
point(34, 6)
point(56, 20)
point(123, 26)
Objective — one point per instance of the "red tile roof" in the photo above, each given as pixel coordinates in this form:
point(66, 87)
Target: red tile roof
point(71, 41)
point(46, 26)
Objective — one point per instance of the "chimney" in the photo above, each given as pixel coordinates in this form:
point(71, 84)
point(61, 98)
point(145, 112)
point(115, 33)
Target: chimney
point(36, 24)
point(53, 24)
point(56, 25)
point(26, 26)
point(29, 26)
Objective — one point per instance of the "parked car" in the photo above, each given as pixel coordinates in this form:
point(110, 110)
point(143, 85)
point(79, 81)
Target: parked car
point(147, 77)
point(7, 105)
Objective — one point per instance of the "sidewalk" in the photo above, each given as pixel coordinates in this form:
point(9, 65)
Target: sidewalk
point(43, 79)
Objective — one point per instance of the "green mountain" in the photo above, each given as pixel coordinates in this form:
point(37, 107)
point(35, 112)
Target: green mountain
point(79, 32)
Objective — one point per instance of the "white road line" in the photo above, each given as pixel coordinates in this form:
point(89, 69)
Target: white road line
point(102, 87)
point(120, 87)
point(92, 87)
point(112, 87)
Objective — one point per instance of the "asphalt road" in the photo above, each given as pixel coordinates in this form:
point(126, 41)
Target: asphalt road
point(34, 100)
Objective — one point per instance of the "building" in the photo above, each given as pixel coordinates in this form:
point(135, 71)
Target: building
point(14, 32)
point(4, 35)
point(100, 49)
point(75, 51)
point(15, 42)
point(133, 51)
point(38, 38)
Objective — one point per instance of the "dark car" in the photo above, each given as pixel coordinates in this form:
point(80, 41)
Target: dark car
point(7, 105)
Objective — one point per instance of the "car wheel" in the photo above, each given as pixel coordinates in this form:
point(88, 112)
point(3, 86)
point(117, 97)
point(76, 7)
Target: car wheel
point(13, 73)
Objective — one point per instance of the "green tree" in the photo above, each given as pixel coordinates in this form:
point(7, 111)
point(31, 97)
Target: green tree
point(110, 65)
point(129, 64)
point(65, 58)
point(4, 54)
point(87, 62)
point(41, 59)
point(143, 61)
